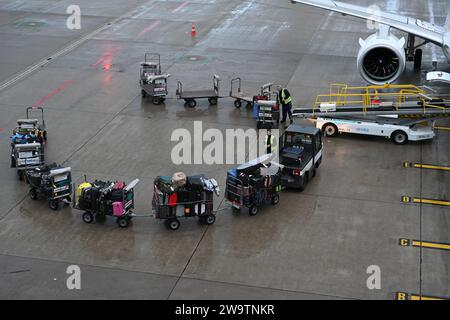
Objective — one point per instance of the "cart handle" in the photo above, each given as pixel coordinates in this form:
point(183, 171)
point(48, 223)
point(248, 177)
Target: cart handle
point(239, 81)
point(149, 56)
point(216, 80)
point(42, 113)
point(179, 88)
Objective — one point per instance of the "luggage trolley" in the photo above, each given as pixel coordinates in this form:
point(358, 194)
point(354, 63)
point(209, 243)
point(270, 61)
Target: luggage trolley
point(194, 198)
point(190, 96)
point(101, 198)
point(240, 96)
point(254, 184)
point(266, 113)
point(153, 83)
point(27, 143)
point(53, 182)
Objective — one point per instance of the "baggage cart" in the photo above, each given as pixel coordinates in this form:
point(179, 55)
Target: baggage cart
point(190, 96)
point(240, 96)
point(101, 199)
point(194, 199)
point(27, 143)
point(52, 182)
point(153, 83)
point(253, 185)
point(266, 113)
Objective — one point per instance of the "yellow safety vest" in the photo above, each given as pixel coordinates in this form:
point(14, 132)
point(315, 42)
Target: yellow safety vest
point(271, 142)
point(283, 99)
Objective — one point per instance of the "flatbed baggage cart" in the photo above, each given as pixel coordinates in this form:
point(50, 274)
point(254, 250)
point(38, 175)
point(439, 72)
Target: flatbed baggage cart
point(193, 199)
point(153, 83)
point(253, 185)
point(190, 96)
point(241, 96)
point(52, 182)
point(101, 199)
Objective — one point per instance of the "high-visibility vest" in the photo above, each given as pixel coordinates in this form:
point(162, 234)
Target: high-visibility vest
point(270, 143)
point(283, 99)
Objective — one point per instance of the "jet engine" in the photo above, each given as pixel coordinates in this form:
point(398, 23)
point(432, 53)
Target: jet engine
point(382, 58)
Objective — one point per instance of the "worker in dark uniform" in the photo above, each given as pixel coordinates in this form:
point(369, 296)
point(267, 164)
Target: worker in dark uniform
point(285, 101)
point(270, 142)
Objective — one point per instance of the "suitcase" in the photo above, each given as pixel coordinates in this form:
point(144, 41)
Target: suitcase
point(118, 209)
point(179, 179)
point(196, 183)
point(119, 185)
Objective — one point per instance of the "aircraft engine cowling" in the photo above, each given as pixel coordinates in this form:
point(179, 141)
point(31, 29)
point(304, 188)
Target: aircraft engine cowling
point(381, 59)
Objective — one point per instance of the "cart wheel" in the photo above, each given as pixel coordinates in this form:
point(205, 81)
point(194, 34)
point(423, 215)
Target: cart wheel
point(54, 205)
point(143, 93)
point(253, 211)
point(213, 101)
point(88, 217)
point(209, 220)
point(276, 199)
point(13, 162)
point(238, 103)
point(20, 175)
point(123, 222)
point(156, 100)
point(192, 103)
point(33, 194)
point(173, 224)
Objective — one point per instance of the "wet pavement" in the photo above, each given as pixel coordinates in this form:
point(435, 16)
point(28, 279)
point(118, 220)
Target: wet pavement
point(314, 245)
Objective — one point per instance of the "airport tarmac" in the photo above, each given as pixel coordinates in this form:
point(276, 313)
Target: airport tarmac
point(315, 245)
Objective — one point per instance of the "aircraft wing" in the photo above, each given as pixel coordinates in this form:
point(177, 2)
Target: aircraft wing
point(419, 28)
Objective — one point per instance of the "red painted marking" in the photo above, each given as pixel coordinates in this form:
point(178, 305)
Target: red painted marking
point(51, 94)
point(106, 59)
point(1, 129)
point(149, 28)
point(181, 6)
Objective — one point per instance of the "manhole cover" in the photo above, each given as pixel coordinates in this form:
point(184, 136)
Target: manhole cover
point(31, 24)
point(194, 59)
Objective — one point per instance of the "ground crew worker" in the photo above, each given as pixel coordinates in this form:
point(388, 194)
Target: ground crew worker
point(270, 142)
point(285, 101)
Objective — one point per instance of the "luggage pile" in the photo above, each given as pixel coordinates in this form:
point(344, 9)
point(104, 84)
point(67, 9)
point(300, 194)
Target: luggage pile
point(53, 182)
point(254, 184)
point(101, 198)
point(180, 196)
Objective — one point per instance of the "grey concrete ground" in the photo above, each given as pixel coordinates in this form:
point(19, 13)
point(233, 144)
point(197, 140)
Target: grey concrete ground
point(314, 245)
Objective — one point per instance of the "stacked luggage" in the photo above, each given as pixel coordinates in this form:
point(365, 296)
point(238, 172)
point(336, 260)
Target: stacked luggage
point(101, 198)
point(184, 197)
point(53, 182)
point(254, 184)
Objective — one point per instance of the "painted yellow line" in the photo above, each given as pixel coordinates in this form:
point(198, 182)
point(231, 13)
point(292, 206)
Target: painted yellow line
point(425, 166)
point(432, 202)
point(442, 128)
point(444, 203)
point(403, 296)
point(424, 244)
point(431, 245)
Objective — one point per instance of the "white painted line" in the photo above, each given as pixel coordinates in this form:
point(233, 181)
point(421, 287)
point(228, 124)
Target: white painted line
point(59, 53)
